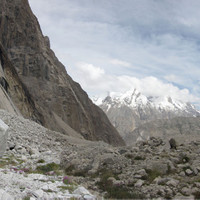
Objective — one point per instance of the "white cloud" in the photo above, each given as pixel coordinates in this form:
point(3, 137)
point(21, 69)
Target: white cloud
point(90, 71)
point(98, 83)
point(120, 62)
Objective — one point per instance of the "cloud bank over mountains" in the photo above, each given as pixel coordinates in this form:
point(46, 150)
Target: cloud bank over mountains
point(99, 83)
point(127, 40)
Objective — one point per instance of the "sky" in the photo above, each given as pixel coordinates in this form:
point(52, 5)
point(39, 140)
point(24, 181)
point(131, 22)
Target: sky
point(118, 45)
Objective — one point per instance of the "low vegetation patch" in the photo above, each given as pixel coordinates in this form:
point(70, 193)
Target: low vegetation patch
point(71, 170)
point(27, 198)
point(139, 158)
point(41, 161)
point(152, 174)
point(45, 169)
point(70, 188)
point(7, 161)
point(114, 191)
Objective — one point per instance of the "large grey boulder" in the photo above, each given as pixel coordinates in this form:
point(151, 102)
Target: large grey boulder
point(3, 137)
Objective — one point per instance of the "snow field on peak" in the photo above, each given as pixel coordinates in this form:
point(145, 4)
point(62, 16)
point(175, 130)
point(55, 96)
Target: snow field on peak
point(134, 99)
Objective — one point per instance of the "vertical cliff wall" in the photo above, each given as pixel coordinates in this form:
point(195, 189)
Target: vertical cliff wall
point(57, 98)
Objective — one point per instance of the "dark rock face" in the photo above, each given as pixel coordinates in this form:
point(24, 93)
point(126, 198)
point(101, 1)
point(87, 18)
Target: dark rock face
point(14, 94)
point(58, 99)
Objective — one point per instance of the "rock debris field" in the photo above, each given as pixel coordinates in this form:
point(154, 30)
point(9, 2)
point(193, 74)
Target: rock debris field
point(30, 167)
point(43, 164)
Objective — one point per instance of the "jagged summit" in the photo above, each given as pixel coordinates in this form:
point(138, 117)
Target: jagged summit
point(134, 99)
point(127, 111)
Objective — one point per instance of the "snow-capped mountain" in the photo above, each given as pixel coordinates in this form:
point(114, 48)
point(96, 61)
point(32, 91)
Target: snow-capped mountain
point(134, 99)
point(129, 110)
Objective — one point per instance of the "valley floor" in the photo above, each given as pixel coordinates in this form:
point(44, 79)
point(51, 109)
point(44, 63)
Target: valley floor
point(42, 164)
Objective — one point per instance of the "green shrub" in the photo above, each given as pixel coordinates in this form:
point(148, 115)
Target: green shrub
point(139, 158)
point(114, 191)
point(129, 156)
point(152, 174)
point(69, 170)
point(41, 161)
point(197, 195)
point(48, 168)
point(70, 188)
point(27, 198)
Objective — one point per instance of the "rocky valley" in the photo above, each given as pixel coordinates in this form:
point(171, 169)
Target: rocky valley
point(37, 162)
point(55, 143)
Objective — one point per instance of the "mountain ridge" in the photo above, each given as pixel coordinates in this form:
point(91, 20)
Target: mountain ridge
point(131, 109)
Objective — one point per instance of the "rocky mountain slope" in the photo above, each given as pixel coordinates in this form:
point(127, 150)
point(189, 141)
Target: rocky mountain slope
point(30, 168)
point(37, 162)
point(180, 128)
point(130, 110)
point(58, 102)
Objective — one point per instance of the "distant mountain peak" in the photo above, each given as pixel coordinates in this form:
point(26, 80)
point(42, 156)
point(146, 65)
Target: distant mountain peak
point(135, 99)
point(129, 110)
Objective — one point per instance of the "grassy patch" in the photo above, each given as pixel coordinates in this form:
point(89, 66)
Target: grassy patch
point(7, 161)
point(41, 161)
point(152, 174)
point(69, 170)
point(129, 156)
point(27, 198)
point(70, 188)
point(44, 169)
point(49, 190)
point(114, 191)
point(139, 158)
point(72, 171)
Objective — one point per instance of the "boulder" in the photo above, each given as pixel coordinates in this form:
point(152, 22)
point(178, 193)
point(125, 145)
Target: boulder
point(5, 196)
point(3, 137)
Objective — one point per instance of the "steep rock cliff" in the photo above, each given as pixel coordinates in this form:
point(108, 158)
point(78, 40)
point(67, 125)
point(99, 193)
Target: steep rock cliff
point(59, 100)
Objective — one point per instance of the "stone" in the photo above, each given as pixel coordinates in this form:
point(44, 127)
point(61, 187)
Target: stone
point(197, 184)
point(161, 181)
point(188, 172)
point(142, 173)
point(172, 143)
point(186, 191)
point(89, 197)
point(181, 197)
point(158, 165)
point(172, 182)
point(81, 191)
point(5, 196)
point(3, 137)
point(38, 193)
point(195, 170)
point(11, 145)
point(139, 183)
point(182, 173)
